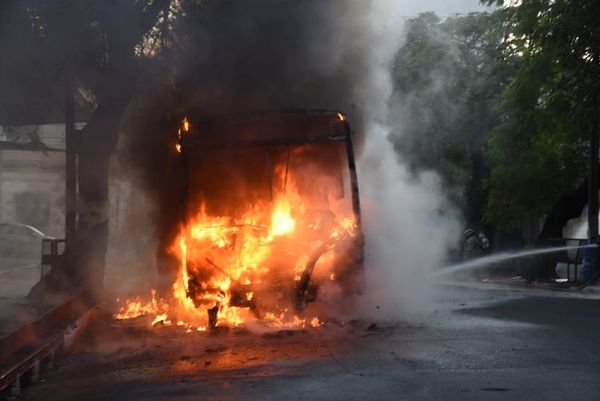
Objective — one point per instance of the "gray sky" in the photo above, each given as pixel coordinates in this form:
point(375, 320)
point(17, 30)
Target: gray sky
point(441, 7)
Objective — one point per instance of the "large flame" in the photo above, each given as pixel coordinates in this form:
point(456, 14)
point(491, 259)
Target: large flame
point(244, 267)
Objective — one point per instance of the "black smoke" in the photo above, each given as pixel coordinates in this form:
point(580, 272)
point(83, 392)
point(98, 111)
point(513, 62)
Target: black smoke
point(275, 54)
point(227, 56)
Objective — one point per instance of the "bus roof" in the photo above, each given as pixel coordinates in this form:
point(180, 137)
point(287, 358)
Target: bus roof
point(268, 128)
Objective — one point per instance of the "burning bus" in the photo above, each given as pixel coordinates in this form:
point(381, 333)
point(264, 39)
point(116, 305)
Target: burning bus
point(270, 219)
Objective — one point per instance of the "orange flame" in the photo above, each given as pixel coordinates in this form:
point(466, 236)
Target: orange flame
point(239, 265)
point(185, 126)
point(282, 222)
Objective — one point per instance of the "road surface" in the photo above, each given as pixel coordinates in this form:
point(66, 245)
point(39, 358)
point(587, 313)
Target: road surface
point(483, 342)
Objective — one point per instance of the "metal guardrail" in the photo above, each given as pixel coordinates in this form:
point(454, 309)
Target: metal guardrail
point(33, 348)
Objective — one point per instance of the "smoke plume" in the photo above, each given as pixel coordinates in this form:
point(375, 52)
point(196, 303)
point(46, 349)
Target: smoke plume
point(233, 56)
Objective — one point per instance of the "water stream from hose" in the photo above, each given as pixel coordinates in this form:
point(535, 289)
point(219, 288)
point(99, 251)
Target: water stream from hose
point(501, 257)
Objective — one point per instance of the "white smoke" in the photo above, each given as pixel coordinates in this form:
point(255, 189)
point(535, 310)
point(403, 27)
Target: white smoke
point(408, 228)
point(409, 225)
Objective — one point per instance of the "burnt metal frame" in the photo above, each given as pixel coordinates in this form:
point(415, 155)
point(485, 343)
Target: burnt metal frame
point(337, 137)
point(187, 145)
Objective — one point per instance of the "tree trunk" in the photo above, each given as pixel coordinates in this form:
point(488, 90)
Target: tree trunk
point(475, 194)
point(100, 53)
point(98, 139)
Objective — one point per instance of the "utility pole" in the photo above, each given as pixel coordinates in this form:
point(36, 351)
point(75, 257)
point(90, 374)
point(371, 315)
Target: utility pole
point(70, 165)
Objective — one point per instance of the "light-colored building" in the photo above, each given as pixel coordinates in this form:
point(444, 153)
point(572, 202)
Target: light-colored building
point(32, 179)
point(32, 191)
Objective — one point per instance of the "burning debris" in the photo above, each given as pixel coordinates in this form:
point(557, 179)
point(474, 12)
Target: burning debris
point(271, 218)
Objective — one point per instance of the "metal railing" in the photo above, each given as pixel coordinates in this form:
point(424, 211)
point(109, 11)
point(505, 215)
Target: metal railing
point(53, 256)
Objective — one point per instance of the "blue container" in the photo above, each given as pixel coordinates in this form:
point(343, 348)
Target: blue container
point(589, 263)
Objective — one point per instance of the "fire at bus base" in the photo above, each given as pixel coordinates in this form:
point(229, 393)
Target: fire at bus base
point(270, 222)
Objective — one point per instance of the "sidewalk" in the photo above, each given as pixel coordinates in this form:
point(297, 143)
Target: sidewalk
point(16, 311)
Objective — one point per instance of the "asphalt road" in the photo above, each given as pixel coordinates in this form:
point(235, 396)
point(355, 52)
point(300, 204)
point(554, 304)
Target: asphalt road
point(484, 342)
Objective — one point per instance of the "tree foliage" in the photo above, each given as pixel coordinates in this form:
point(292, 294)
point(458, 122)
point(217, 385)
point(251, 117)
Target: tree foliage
point(540, 147)
point(519, 84)
point(96, 46)
point(95, 42)
point(446, 81)
point(27, 68)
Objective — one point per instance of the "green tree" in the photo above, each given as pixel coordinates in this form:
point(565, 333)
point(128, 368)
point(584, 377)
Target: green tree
point(549, 111)
point(99, 46)
point(540, 148)
point(447, 77)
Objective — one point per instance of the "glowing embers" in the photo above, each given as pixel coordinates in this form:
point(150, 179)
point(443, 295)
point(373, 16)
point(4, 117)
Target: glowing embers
point(137, 308)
